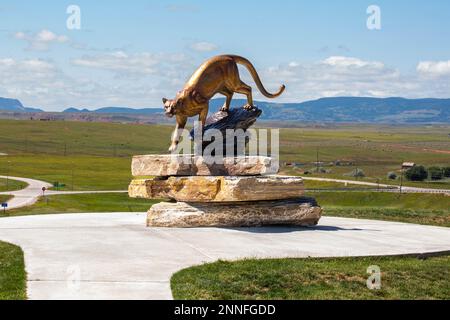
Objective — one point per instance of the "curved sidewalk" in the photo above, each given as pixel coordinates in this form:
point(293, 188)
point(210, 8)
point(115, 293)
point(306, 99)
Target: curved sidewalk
point(29, 195)
point(114, 256)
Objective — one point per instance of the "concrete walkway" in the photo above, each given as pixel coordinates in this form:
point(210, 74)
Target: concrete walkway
point(113, 255)
point(31, 194)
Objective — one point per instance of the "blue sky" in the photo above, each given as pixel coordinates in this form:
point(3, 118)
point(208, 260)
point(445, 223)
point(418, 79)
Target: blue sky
point(135, 52)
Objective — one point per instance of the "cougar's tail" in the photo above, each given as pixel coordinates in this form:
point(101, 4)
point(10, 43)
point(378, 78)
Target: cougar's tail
point(255, 76)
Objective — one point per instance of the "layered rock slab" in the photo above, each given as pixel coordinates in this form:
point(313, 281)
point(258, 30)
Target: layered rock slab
point(298, 212)
point(218, 188)
point(190, 165)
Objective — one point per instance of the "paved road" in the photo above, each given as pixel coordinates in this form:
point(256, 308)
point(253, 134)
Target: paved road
point(114, 256)
point(393, 188)
point(29, 195)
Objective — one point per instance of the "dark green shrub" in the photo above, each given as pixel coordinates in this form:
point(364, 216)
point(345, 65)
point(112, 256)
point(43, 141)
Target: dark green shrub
point(446, 172)
point(392, 175)
point(417, 173)
point(435, 173)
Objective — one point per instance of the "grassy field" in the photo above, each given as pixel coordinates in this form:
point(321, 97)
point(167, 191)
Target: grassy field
point(326, 185)
point(432, 209)
point(342, 278)
point(4, 198)
point(12, 273)
point(111, 202)
point(11, 185)
point(81, 155)
point(382, 199)
point(97, 156)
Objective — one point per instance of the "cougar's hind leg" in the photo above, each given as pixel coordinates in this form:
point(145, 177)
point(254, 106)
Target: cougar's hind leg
point(247, 90)
point(229, 95)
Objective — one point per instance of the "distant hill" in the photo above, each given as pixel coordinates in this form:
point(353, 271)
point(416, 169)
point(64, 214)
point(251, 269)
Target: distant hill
point(122, 110)
point(15, 105)
point(338, 109)
point(11, 105)
point(354, 109)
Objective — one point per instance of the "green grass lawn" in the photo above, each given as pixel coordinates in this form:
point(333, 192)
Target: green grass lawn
point(12, 273)
point(80, 171)
point(382, 199)
point(432, 209)
point(340, 278)
point(81, 155)
point(314, 185)
point(79, 203)
point(4, 198)
point(11, 185)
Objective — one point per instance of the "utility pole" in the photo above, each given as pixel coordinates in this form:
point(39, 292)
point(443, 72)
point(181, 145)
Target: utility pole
point(401, 179)
point(8, 163)
point(317, 159)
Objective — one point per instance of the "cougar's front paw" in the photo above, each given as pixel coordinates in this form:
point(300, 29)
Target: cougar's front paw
point(248, 107)
point(173, 147)
point(224, 109)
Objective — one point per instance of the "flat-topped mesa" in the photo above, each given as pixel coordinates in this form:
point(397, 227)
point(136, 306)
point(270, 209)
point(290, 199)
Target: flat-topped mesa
point(191, 165)
point(218, 188)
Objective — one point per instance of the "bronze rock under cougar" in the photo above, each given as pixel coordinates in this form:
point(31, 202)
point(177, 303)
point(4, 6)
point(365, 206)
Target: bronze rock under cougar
point(217, 75)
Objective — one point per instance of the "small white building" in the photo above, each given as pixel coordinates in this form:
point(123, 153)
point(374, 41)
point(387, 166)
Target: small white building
point(408, 165)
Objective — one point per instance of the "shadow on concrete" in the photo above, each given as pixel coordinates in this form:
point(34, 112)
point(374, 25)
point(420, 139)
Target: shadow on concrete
point(288, 229)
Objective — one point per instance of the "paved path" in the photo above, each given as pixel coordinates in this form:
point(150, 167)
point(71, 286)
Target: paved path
point(393, 188)
point(29, 195)
point(115, 257)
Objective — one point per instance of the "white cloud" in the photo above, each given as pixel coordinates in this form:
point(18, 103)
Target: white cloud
point(142, 79)
point(204, 46)
point(182, 8)
point(335, 76)
point(41, 40)
point(349, 62)
point(434, 68)
point(140, 64)
point(28, 78)
point(139, 80)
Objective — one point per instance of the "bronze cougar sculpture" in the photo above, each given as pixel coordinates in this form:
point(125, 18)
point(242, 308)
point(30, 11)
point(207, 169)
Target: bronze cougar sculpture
point(219, 74)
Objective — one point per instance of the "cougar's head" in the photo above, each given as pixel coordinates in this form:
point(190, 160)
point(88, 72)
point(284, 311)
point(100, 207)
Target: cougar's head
point(170, 107)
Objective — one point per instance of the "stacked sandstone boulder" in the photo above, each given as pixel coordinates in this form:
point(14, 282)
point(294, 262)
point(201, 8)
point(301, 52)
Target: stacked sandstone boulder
point(240, 192)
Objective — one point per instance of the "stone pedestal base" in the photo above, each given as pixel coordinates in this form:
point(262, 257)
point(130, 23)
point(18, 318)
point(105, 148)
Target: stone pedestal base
point(218, 189)
point(297, 212)
point(190, 165)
